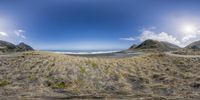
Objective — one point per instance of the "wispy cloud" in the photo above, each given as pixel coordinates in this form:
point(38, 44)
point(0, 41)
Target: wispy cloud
point(128, 39)
point(20, 33)
point(3, 34)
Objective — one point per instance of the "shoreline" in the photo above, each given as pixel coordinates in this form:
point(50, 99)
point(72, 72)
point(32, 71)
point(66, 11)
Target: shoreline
point(120, 54)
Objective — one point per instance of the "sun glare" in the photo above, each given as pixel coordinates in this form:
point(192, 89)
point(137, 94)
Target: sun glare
point(188, 29)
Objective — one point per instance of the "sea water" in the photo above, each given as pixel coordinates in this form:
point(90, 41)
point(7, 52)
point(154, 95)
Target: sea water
point(79, 52)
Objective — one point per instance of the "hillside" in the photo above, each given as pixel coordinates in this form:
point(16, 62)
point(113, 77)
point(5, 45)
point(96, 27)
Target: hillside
point(48, 76)
point(153, 45)
point(7, 47)
point(191, 49)
point(133, 47)
point(194, 45)
point(23, 47)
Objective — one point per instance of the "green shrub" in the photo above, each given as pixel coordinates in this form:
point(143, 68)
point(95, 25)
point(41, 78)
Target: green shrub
point(82, 69)
point(60, 85)
point(3, 83)
point(32, 77)
point(94, 64)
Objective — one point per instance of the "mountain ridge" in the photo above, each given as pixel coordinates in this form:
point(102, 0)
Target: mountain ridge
point(6, 47)
point(194, 45)
point(154, 45)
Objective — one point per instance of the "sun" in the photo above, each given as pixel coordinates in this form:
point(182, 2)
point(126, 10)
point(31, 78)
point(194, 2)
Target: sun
point(188, 29)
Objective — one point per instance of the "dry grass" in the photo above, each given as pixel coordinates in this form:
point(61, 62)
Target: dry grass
point(150, 76)
point(187, 52)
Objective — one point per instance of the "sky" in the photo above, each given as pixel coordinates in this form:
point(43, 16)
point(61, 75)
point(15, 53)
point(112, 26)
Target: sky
point(98, 24)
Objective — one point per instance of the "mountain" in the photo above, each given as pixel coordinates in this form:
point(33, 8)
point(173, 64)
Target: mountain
point(153, 45)
point(133, 46)
point(6, 47)
point(23, 47)
point(170, 46)
point(194, 45)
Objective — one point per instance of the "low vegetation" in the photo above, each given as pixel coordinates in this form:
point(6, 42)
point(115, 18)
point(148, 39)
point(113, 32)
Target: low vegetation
point(187, 52)
point(3, 83)
point(150, 76)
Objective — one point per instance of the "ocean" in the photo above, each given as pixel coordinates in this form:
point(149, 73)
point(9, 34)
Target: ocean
point(79, 52)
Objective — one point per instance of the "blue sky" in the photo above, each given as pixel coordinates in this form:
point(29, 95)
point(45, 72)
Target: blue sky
point(98, 24)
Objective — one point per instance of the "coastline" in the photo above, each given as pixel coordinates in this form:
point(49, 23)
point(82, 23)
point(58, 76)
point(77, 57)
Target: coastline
point(119, 54)
point(98, 53)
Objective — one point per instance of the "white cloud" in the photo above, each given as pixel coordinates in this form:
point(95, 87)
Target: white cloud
point(3, 34)
point(163, 36)
point(23, 37)
point(20, 33)
point(180, 40)
point(188, 37)
point(128, 39)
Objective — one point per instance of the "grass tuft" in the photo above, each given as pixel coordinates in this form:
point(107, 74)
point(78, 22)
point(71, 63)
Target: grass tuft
point(4, 83)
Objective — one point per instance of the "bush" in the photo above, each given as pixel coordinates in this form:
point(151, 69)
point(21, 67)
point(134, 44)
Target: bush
point(94, 65)
point(3, 83)
point(82, 69)
point(60, 85)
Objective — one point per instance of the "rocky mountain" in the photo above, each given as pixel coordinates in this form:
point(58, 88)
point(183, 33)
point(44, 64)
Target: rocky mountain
point(194, 46)
point(153, 45)
point(9, 47)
